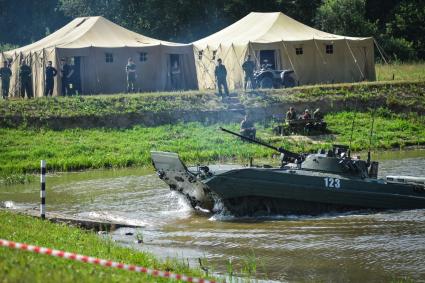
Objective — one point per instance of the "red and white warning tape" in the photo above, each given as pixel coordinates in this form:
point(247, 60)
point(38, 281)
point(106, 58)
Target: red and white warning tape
point(103, 262)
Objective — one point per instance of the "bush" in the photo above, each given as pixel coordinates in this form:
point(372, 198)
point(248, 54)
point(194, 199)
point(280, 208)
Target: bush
point(398, 48)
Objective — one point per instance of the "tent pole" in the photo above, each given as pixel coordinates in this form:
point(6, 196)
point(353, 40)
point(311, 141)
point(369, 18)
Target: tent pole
point(205, 67)
point(44, 71)
point(355, 60)
point(289, 58)
point(321, 56)
point(238, 60)
point(257, 60)
point(379, 49)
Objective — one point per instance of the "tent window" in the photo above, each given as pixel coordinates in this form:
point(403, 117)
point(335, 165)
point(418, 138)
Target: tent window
point(299, 50)
point(143, 57)
point(200, 54)
point(329, 49)
point(109, 57)
point(214, 53)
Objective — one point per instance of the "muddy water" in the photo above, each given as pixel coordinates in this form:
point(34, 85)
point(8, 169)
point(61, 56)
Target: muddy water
point(361, 247)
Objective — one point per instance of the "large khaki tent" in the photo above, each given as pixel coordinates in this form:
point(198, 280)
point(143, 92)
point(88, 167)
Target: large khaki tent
point(315, 56)
point(99, 50)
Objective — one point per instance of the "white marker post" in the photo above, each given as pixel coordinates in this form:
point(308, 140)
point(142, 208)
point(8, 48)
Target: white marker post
point(43, 190)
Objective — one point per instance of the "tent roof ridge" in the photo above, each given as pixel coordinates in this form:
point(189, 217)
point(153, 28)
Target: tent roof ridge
point(273, 23)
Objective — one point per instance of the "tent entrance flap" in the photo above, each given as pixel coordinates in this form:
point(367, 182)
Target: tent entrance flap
point(175, 71)
point(268, 57)
point(76, 74)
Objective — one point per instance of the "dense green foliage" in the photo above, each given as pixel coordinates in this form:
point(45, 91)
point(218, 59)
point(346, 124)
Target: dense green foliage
point(396, 24)
point(345, 17)
point(21, 266)
point(22, 150)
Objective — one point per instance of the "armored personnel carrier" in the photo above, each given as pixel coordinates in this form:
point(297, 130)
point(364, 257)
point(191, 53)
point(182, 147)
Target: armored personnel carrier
point(327, 181)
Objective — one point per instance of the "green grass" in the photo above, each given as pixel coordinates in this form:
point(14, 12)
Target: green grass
point(21, 266)
point(396, 95)
point(22, 149)
point(100, 105)
point(399, 96)
point(401, 71)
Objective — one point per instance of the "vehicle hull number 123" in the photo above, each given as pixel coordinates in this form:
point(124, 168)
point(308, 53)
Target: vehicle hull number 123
point(332, 182)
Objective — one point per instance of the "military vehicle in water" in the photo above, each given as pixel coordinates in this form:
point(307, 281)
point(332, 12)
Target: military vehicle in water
point(328, 181)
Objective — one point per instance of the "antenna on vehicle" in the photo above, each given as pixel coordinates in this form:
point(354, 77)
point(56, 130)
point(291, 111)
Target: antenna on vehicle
point(370, 136)
point(352, 129)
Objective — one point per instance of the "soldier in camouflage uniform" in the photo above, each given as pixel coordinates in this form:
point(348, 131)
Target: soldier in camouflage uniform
point(5, 74)
point(247, 127)
point(25, 74)
point(220, 73)
point(248, 67)
point(130, 69)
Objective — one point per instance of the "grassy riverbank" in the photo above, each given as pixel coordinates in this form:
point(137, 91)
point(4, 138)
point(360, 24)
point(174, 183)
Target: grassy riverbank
point(125, 110)
point(75, 149)
point(21, 266)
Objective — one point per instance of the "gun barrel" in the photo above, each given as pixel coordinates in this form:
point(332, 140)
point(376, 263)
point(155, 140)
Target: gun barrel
point(287, 153)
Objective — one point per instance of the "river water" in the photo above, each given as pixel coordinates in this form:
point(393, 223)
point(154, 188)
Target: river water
point(357, 247)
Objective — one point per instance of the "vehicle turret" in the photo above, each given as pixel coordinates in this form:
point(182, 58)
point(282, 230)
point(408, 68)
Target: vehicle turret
point(337, 160)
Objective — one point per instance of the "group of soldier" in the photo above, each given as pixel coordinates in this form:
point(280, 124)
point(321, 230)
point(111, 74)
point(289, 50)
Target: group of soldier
point(291, 115)
point(309, 122)
point(25, 75)
point(220, 74)
point(25, 79)
point(68, 85)
point(67, 71)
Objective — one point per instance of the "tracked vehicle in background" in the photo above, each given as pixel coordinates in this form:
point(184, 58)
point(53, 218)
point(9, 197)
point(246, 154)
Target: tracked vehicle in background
point(311, 184)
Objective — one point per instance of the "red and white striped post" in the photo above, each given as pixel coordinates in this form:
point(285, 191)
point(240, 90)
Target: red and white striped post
point(43, 190)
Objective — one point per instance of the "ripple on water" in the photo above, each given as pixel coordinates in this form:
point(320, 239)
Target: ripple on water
point(349, 247)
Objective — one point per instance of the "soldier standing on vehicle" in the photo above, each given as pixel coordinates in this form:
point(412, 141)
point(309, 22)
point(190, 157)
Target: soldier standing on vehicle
point(51, 73)
point(248, 66)
point(5, 74)
point(130, 70)
point(66, 73)
point(220, 73)
point(25, 75)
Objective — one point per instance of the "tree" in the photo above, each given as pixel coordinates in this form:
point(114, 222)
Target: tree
point(28, 21)
point(407, 27)
point(345, 17)
point(85, 8)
